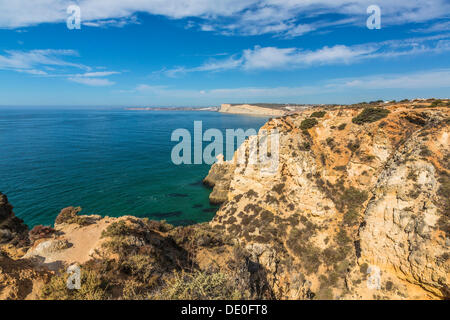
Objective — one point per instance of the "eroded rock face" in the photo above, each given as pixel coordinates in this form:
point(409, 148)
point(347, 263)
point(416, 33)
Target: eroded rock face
point(401, 230)
point(347, 195)
point(219, 178)
point(12, 229)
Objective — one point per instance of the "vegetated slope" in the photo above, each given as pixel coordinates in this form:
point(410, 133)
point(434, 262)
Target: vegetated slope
point(358, 192)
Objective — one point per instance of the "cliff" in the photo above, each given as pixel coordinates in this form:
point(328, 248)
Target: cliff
point(252, 110)
point(358, 208)
point(359, 195)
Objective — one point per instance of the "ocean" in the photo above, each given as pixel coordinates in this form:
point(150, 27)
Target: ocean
point(110, 162)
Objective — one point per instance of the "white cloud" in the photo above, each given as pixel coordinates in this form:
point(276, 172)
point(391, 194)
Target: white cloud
point(31, 61)
point(273, 58)
point(98, 74)
point(433, 79)
point(96, 82)
point(283, 17)
point(51, 63)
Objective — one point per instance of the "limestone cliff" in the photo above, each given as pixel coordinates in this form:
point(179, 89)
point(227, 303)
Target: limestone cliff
point(359, 196)
point(252, 110)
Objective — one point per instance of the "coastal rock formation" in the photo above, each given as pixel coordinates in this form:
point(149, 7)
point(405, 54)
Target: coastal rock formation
point(359, 196)
point(12, 229)
point(355, 205)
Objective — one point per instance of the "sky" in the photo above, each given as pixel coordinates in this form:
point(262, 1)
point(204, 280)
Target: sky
point(208, 52)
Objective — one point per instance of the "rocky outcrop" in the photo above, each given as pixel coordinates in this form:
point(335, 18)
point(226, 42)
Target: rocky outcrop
point(219, 178)
point(19, 279)
point(356, 208)
point(12, 229)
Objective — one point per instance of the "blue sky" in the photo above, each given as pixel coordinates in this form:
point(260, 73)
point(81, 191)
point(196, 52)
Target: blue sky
point(200, 52)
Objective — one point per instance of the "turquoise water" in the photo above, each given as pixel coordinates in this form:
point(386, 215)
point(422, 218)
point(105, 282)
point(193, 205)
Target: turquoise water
point(109, 162)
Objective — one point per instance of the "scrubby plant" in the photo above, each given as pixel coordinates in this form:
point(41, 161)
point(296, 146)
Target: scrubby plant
point(342, 126)
point(444, 194)
point(353, 146)
point(70, 215)
point(92, 288)
point(412, 176)
point(278, 188)
point(41, 232)
point(369, 115)
point(308, 123)
point(425, 152)
point(118, 228)
point(342, 238)
point(199, 286)
point(353, 199)
point(363, 268)
point(305, 146)
point(436, 103)
point(318, 114)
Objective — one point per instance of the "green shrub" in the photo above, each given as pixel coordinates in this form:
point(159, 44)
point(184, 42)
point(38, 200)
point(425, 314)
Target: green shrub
point(370, 115)
point(342, 126)
point(342, 238)
point(353, 146)
point(363, 268)
point(278, 188)
point(318, 114)
point(436, 103)
point(354, 198)
point(425, 152)
point(118, 228)
point(305, 146)
point(308, 123)
point(92, 288)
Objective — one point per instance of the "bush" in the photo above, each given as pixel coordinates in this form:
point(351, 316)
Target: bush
point(308, 123)
point(370, 115)
point(40, 232)
point(92, 288)
point(118, 228)
point(436, 103)
point(342, 238)
point(278, 188)
point(342, 126)
point(199, 286)
point(353, 146)
point(318, 114)
point(70, 215)
point(354, 198)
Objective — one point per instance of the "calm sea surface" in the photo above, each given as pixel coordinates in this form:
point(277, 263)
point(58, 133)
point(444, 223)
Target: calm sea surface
point(109, 162)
